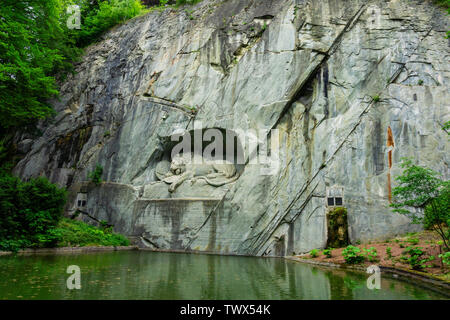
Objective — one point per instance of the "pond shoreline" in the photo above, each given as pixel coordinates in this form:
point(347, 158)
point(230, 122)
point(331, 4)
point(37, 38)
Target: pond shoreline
point(65, 250)
point(425, 280)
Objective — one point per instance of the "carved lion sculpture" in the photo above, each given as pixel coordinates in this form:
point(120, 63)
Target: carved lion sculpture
point(183, 168)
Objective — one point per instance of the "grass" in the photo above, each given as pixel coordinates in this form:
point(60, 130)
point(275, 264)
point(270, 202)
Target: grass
point(72, 233)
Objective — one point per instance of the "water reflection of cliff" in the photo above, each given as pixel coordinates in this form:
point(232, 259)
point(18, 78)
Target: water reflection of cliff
point(171, 276)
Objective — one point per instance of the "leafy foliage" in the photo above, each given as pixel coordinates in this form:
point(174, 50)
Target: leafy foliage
point(327, 253)
point(352, 255)
point(264, 27)
point(314, 253)
point(444, 3)
point(421, 188)
point(31, 217)
point(446, 127)
point(99, 16)
point(28, 212)
point(36, 47)
point(413, 241)
point(445, 257)
point(96, 175)
point(371, 254)
point(389, 252)
point(33, 49)
point(77, 233)
point(415, 259)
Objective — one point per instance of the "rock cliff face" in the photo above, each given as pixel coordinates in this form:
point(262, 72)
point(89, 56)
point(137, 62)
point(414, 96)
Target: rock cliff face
point(351, 87)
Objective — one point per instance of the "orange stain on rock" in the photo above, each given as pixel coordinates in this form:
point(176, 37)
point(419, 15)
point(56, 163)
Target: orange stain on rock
point(390, 145)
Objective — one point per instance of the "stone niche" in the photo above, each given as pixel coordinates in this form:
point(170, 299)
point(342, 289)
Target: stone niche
point(81, 200)
point(194, 172)
point(78, 198)
point(337, 223)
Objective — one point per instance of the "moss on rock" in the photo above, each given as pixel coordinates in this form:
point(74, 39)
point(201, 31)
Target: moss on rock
point(337, 228)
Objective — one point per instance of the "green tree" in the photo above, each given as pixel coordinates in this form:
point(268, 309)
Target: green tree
point(36, 48)
point(422, 188)
point(31, 53)
point(99, 16)
point(29, 211)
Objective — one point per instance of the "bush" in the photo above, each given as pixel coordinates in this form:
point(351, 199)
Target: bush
point(445, 257)
point(28, 212)
point(77, 233)
point(351, 255)
point(327, 253)
point(314, 253)
point(415, 258)
point(96, 175)
point(371, 254)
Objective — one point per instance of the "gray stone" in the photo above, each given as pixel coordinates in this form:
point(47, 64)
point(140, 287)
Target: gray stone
point(24, 146)
point(306, 68)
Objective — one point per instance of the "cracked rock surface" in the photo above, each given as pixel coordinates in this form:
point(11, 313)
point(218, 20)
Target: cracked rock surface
point(307, 68)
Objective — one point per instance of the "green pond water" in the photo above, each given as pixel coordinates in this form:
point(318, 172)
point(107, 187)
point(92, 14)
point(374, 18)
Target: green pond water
point(151, 275)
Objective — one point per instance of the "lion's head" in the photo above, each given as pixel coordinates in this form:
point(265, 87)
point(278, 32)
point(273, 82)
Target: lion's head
point(178, 165)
